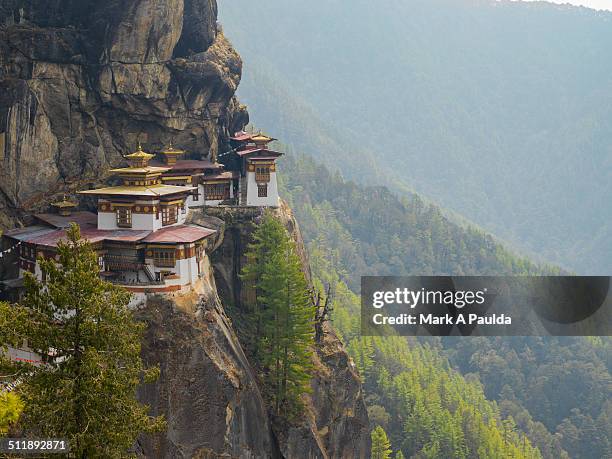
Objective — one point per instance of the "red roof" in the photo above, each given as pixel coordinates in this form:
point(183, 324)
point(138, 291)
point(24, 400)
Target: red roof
point(49, 237)
point(220, 175)
point(30, 232)
point(264, 151)
point(189, 164)
point(180, 234)
point(82, 218)
point(242, 136)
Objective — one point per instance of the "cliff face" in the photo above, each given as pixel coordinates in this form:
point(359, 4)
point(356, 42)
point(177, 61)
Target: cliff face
point(82, 81)
point(336, 423)
point(209, 392)
point(206, 390)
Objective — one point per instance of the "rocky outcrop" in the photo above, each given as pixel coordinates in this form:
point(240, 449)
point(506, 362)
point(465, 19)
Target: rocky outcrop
point(206, 390)
point(336, 422)
point(83, 81)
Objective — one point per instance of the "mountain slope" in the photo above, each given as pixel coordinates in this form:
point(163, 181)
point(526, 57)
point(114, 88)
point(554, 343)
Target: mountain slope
point(499, 111)
point(352, 230)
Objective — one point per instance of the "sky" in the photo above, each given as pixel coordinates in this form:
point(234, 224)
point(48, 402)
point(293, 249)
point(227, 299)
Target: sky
point(596, 4)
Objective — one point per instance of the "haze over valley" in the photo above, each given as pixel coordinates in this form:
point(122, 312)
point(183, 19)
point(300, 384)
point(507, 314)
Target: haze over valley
point(504, 119)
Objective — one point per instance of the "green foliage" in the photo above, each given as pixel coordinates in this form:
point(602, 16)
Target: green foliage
point(86, 392)
point(538, 374)
point(370, 231)
point(430, 409)
point(497, 110)
point(381, 447)
point(283, 313)
point(11, 407)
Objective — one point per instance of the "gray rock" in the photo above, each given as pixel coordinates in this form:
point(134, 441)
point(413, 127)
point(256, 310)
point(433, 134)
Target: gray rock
point(82, 81)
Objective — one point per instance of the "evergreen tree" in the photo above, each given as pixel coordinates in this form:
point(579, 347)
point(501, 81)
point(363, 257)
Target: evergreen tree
point(11, 334)
point(83, 327)
point(284, 313)
point(11, 407)
point(268, 236)
point(381, 447)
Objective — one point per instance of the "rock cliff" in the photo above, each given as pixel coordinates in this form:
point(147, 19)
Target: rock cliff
point(336, 421)
point(208, 390)
point(82, 81)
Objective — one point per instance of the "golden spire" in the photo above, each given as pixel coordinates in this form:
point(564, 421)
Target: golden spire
point(171, 154)
point(139, 158)
point(64, 207)
point(261, 139)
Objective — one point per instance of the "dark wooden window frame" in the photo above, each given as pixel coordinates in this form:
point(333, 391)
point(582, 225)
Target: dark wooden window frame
point(169, 214)
point(123, 217)
point(216, 191)
point(164, 258)
point(262, 190)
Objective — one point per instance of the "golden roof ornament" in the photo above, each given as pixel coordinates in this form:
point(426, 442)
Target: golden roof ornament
point(139, 153)
point(139, 158)
point(261, 138)
point(171, 154)
point(64, 207)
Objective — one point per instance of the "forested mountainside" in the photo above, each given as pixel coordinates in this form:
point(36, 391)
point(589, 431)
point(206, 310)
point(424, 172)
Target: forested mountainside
point(447, 397)
point(497, 110)
point(374, 232)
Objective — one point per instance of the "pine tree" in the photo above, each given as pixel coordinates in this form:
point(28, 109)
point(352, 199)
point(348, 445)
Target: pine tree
point(284, 313)
point(86, 392)
point(381, 447)
point(11, 334)
point(11, 407)
point(268, 236)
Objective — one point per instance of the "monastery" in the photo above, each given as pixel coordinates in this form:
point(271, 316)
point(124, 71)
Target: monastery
point(140, 232)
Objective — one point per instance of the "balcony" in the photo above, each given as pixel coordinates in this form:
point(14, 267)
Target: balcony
point(125, 270)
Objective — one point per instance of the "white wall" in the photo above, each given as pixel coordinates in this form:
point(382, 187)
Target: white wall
point(186, 269)
point(272, 200)
point(150, 222)
point(200, 202)
point(108, 221)
point(182, 216)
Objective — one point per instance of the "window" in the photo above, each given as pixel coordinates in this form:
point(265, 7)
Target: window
point(169, 215)
point(216, 191)
point(164, 257)
point(262, 174)
point(262, 190)
point(124, 217)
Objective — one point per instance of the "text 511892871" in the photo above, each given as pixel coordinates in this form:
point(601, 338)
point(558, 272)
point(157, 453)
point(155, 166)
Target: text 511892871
point(33, 445)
